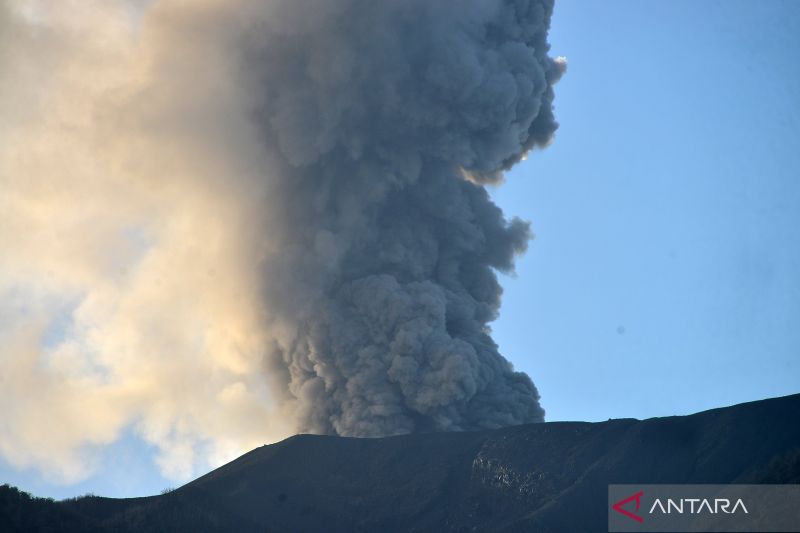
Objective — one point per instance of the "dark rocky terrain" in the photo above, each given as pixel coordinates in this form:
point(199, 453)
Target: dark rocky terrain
point(538, 477)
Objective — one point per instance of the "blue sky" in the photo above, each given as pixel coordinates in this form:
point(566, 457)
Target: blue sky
point(665, 276)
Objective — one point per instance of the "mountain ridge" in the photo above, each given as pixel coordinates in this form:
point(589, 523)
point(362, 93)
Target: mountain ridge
point(546, 477)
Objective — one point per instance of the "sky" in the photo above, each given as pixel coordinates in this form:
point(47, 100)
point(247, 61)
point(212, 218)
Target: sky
point(665, 275)
point(664, 278)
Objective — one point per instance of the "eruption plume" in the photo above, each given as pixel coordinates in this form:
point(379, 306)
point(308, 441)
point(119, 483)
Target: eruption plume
point(226, 221)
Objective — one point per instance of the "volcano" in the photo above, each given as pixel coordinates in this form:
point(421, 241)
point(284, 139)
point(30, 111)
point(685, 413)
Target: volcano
point(536, 477)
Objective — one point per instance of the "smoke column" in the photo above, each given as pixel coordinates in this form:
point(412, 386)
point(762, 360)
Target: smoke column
point(231, 221)
point(387, 117)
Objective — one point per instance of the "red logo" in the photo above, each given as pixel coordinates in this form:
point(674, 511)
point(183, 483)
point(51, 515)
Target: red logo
point(618, 507)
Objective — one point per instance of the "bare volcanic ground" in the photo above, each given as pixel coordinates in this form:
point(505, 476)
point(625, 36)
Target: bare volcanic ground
point(537, 477)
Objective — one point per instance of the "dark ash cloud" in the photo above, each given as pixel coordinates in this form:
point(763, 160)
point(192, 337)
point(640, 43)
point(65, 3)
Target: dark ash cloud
point(384, 275)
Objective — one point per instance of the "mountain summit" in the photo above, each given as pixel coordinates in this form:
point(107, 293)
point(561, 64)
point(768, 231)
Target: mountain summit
point(535, 477)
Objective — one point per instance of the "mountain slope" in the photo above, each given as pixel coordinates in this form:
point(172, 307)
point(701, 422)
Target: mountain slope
point(537, 477)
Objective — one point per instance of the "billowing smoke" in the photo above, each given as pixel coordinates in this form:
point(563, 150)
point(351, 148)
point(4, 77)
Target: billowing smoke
point(227, 221)
point(386, 254)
